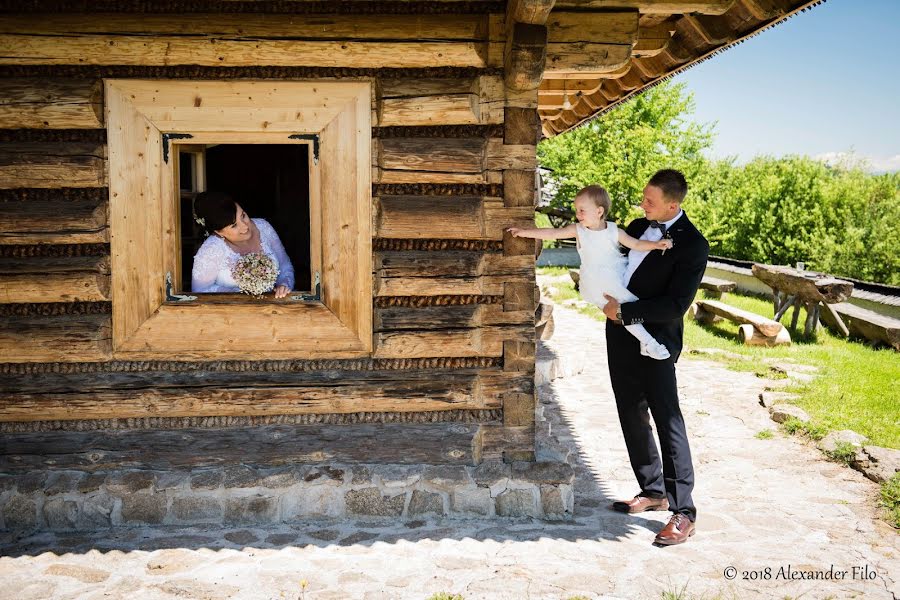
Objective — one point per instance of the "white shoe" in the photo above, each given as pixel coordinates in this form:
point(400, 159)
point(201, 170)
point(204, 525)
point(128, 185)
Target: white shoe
point(655, 350)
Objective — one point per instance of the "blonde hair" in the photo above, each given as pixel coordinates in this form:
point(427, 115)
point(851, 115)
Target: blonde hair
point(599, 196)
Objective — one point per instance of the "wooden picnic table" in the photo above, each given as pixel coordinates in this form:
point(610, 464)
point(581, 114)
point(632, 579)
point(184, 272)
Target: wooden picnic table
point(794, 287)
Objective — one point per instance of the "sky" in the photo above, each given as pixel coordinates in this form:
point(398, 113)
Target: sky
point(824, 83)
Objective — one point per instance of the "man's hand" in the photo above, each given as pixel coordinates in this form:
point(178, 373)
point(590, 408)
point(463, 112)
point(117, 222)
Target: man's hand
point(612, 306)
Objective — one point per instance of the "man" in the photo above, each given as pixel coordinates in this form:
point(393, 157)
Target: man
point(665, 283)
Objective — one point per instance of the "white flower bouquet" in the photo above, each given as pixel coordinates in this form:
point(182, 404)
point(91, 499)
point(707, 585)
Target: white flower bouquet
point(255, 274)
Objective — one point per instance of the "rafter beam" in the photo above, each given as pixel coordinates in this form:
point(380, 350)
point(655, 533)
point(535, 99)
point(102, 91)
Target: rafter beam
point(654, 7)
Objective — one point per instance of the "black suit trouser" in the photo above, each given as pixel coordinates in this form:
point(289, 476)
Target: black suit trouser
point(644, 386)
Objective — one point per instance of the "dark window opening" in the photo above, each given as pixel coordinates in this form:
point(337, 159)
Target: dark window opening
point(270, 181)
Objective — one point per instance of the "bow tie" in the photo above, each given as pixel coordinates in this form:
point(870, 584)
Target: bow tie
point(658, 225)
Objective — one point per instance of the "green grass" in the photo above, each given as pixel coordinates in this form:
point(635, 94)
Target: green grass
point(855, 387)
point(890, 499)
point(765, 434)
point(446, 596)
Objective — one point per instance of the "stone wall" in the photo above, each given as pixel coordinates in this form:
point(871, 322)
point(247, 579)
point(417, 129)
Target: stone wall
point(242, 495)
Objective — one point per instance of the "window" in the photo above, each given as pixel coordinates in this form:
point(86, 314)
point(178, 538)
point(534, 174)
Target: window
point(165, 135)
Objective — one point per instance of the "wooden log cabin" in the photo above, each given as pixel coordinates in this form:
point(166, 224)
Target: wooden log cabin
point(411, 335)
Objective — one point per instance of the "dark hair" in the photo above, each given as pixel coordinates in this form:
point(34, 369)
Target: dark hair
point(672, 183)
point(215, 209)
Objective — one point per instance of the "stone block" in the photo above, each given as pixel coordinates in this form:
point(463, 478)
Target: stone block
point(324, 474)
point(446, 477)
point(96, 512)
point(7, 483)
point(31, 482)
point(471, 501)
point(782, 412)
point(543, 472)
point(62, 483)
point(208, 479)
point(242, 537)
point(834, 439)
point(877, 463)
point(516, 503)
point(20, 513)
point(239, 476)
point(369, 501)
point(491, 473)
point(91, 483)
point(258, 508)
point(313, 501)
point(397, 476)
point(144, 508)
point(361, 475)
point(423, 502)
point(193, 509)
point(557, 502)
point(129, 482)
point(60, 514)
point(279, 478)
point(169, 480)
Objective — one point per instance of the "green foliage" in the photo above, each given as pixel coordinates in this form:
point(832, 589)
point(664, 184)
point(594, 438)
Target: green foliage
point(765, 434)
point(839, 220)
point(890, 499)
point(624, 148)
point(843, 452)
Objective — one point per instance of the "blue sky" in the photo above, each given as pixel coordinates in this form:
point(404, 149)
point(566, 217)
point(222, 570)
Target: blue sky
point(823, 83)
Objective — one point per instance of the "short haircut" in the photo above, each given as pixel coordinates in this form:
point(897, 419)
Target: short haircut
point(672, 183)
point(599, 196)
point(217, 209)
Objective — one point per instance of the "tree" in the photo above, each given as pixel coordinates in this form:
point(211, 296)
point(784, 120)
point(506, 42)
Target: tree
point(622, 149)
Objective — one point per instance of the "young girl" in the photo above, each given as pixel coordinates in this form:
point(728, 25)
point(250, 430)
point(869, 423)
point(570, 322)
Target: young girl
point(602, 264)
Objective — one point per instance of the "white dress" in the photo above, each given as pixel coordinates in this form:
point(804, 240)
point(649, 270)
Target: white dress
point(602, 265)
point(215, 259)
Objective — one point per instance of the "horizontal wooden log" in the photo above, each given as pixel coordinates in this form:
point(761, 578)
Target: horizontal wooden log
point(386, 176)
point(453, 273)
point(452, 155)
point(808, 285)
point(40, 279)
point(498, 441)
point(477, 100)
point(205, 394)
point(68, 338)
point(592, 27)
point(53, 222)
point(767, 327)
point(361, 41)
point(448, 317)
point(52, 165)
point(271, 445)
point(652, 40)
point(714, 284)
point(447, 217)
point(51, 104)
point(869, 325)
point(750, 336)
point(486, 341)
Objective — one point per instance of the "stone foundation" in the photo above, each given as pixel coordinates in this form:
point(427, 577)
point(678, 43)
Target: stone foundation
point(241, 495)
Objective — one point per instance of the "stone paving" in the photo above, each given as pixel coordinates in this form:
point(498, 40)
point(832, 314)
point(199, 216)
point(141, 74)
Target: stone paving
point(772, 509)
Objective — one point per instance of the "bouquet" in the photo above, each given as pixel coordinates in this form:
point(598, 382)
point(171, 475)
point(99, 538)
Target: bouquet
point(255, 274)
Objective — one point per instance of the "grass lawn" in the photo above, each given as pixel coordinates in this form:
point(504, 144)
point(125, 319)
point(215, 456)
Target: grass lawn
point(857, 387)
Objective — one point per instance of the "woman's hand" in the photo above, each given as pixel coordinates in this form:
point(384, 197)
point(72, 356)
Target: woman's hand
point(281, 291)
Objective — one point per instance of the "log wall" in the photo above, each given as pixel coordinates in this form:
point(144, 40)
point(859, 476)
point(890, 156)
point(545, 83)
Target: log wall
point(453, 165)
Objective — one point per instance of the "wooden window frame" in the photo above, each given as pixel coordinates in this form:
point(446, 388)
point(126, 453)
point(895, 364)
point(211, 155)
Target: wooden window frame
point(145, 233)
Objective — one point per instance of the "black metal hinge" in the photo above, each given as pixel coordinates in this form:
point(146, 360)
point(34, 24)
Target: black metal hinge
point(309, 136)
point(172, 136)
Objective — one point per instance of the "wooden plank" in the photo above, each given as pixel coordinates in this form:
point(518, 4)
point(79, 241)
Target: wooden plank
point(52, 165)
point(487, 341)
point(652, 40)
point(869, 324)
point(518, 410)
point(500, 442)
point(361, 41)
point(519, 356)
point(40, 279)
point(592, 28)
point(271, 445)
point(440, 101)
point(140, 395)
point(453, 155)
point(767, 327)
point(53, 222)
point(447, 317)
point(653, 7)
point(446, 217)
point(27, 103)
point(68, 338)
point(806, 284)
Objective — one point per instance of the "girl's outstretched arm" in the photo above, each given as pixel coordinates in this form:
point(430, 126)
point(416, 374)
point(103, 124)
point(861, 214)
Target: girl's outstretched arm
point(643, 245)
point(544, 233)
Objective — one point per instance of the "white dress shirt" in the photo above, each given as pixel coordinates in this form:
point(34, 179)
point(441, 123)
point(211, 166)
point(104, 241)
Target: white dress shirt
point(653, 234)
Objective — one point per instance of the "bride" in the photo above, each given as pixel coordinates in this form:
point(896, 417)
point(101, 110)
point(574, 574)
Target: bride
point(232, 233)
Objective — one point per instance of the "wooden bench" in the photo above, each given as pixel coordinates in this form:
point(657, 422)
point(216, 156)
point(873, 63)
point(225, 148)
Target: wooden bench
point(715, 287)
point(860, 322)
point(754, 330)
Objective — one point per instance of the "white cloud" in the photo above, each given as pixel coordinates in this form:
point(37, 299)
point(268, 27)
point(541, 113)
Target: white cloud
point(873, 164)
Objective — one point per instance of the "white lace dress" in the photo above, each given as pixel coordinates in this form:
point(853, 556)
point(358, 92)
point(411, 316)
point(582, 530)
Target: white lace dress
point(215, 259)
point(602, 265)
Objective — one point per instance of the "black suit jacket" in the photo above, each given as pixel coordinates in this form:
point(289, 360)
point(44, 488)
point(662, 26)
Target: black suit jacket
point(666, 283)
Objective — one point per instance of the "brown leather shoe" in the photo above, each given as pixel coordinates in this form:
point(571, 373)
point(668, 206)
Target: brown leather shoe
point(640, 504)
point(677, 531)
